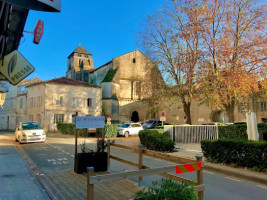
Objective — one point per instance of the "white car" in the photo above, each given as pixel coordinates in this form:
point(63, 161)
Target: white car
point(30, 132)
point(129, 129)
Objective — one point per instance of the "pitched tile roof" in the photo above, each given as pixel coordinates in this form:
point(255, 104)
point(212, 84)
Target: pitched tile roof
point(67, 81)
point(80, 49)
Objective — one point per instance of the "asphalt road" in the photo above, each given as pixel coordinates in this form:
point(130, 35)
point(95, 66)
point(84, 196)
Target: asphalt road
point(57, 155)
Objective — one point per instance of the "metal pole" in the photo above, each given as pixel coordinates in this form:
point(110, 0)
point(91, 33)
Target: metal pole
point(140, 161)
point(200, 177)
point(108, 151)
point(90, 187)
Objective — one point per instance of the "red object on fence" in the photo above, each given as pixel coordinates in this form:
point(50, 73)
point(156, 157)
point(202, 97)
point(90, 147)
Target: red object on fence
point(188, 168)
point(38, 31)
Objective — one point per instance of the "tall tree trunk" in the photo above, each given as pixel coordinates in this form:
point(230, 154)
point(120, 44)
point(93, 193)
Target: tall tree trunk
point(187, 107)
point(230, 109)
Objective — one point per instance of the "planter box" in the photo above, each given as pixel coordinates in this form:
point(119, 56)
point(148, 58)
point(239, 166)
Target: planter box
point(92, 159)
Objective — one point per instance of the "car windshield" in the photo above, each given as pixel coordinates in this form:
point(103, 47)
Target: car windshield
point(31, 126)
point(125, 125)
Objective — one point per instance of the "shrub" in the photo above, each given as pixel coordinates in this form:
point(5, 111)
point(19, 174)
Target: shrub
point(239, 131)
point(154, 140)
point(262, 128)
point(167, 189)
point(69, 128)
point(159, 127)
point(110, 130)
point(233, 131)
point(243, 153)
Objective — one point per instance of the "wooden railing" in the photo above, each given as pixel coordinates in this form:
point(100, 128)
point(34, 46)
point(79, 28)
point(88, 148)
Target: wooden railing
point(144, 170)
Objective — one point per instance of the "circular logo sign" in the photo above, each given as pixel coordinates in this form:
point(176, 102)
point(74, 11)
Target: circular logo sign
point(162, 114)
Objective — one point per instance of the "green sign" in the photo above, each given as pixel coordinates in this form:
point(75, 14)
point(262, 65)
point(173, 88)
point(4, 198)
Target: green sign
point(15, 67)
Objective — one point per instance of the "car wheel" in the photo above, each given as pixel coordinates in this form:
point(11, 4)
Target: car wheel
point(126, 134)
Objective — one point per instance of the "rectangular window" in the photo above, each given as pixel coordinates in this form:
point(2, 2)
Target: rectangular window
point(39, 101)
point(75, 101)
point(58, 118)
point(21, 103)
point(134, 60)
point(263, 106)
point(32, 102)
point(59, 100)
point(31, 118)
point(89, 102)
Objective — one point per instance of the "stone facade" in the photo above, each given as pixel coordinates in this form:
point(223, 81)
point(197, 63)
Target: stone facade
point(14, 109)
point(127, 83)
point(79, 64)
point(60, 99)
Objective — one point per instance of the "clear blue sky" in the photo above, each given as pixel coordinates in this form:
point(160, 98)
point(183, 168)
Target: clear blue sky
point(106, 28)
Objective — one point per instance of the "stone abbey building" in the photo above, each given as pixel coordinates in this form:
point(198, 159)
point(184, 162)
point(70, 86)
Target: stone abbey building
point(127, 82)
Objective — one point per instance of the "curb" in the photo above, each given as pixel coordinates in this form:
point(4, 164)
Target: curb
point(32, 169)
point(261, 178)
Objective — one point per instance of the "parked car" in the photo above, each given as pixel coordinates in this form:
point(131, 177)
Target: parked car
point(237, 123)
point(30, 132)
point(129, 129)
point(151, 124)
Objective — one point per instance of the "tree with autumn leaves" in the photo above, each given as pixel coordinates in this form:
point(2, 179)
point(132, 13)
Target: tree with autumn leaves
point(208, 50)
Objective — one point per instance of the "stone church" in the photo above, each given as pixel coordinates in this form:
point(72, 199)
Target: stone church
point(127, 83)
point(126, 80)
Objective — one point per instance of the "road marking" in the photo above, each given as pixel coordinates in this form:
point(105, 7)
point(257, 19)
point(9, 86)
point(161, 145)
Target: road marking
point(72, 155)
point(208, 172)
point(233, 179)
point(262, 186)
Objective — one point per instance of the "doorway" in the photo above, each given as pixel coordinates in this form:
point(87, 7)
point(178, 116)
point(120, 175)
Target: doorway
point(135, 116)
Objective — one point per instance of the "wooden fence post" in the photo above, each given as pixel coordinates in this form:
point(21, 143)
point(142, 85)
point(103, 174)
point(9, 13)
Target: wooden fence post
point(140, 161)
point(90, 187)
point(200, 177)
point(108, 152)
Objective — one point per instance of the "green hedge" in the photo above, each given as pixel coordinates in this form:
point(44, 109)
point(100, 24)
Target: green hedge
point(156, 139)
point(233, 131)
point(110, 131)
point(238, 131)
point(69, 128)
point(238, 152)
point(262, 128)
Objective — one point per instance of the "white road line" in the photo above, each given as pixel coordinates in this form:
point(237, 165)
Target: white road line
point(262, 186)
point(72, 155)
point(233, 179)
point(208, 172)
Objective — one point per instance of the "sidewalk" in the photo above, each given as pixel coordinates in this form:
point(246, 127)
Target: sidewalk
point(17, 181)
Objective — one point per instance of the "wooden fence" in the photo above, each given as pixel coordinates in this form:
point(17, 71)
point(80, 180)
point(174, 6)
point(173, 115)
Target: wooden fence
point(144, 170)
